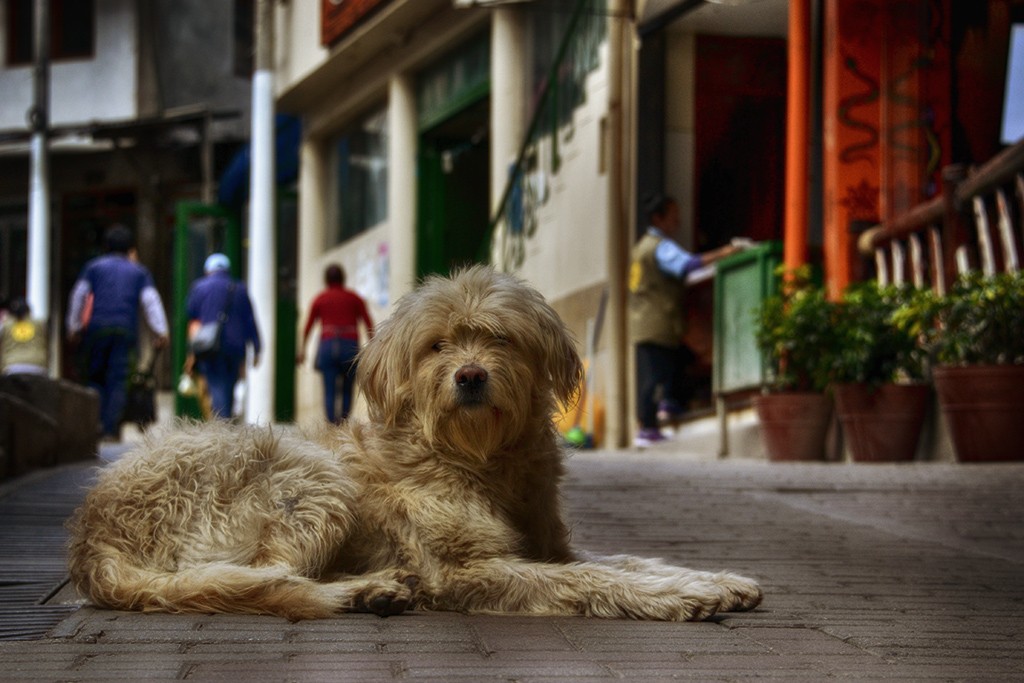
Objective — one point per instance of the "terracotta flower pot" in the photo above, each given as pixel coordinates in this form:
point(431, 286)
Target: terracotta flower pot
point(794, 425)
point(984, 407)
point(882, 424)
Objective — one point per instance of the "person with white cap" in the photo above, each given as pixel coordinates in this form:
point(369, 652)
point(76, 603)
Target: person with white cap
point(218, 296)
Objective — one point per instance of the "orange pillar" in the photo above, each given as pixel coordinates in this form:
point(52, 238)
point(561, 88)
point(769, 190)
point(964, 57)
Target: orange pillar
point(797, 134)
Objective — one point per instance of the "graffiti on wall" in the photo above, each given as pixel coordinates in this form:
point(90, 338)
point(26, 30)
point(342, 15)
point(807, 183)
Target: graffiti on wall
point(889, 109)
point(372, 276)
point(894, 104)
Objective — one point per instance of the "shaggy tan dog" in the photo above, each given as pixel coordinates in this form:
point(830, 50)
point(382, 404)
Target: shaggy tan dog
point(447, 499)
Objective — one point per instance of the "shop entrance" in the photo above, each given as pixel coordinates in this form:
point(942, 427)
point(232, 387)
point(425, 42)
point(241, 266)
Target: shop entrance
point(454, 111)
point(454, 186)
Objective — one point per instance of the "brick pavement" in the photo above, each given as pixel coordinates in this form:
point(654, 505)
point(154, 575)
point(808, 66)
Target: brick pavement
point(871, 572)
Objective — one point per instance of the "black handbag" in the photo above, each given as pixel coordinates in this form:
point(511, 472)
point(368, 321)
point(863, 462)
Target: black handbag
point(140, 400)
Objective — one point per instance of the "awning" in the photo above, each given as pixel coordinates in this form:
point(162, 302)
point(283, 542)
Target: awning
point(654, 15)
point(460, 4)
point(125, 131)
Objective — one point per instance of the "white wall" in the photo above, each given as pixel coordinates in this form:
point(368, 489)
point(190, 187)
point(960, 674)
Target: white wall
point(103, 88)
point(297, 33)
point(569, 251)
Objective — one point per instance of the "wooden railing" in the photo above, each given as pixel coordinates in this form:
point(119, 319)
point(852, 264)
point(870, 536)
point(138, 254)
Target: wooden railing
point(957, 226)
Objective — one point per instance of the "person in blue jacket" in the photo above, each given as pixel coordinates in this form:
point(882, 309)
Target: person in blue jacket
point(103, 317)
point(212, 295)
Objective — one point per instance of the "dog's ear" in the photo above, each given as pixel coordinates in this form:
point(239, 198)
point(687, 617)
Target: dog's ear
point(527, 315)
point(562, 362)
point(383, 373)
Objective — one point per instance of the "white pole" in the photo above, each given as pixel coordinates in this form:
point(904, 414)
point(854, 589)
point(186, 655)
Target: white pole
point(508, 97)
point(262, 246)
point(38, 280)
point(38, 285)
point(403, 132)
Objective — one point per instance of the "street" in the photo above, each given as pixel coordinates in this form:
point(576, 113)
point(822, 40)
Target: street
point(870, 572)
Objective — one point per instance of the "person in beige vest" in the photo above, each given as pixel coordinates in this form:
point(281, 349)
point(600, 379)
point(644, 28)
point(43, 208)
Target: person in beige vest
point(657, 283)
point(23, 342)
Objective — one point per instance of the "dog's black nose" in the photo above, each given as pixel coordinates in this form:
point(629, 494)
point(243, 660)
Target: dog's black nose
point(471, 381)
point(470, 376)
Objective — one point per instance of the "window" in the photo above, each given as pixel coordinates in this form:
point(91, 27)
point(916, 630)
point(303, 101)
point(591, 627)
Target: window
point(457, 79)
point(72, 30)
point(361, 176)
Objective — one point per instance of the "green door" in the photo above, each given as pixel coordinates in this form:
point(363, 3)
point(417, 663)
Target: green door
point(454, 104)
point(454, 187)
point(287, 305)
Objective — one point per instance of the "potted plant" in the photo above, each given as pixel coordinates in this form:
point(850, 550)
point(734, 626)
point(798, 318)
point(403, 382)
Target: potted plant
point(794, 329)
point(877, 373)
point(974, 336)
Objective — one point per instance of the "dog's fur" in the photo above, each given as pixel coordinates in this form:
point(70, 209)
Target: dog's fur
point(447, 499)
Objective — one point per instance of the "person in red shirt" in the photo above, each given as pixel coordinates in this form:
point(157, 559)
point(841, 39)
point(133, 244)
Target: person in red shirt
point(339, 311)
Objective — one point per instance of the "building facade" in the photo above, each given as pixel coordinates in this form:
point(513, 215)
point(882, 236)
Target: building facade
point(417, 115)
point(439, 133)
point(527, 134)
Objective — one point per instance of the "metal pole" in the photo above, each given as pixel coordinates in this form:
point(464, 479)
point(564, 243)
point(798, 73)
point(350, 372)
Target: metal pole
point(262, 246)
point(619, 40)
point(38, 284)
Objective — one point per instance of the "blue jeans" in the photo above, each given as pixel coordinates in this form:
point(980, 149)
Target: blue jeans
point(664, 368)
point(221, 373)
point(335, 359)
point(108, 352)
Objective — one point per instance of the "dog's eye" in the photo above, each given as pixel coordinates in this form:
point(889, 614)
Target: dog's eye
point(438, 347)
point(503, 340)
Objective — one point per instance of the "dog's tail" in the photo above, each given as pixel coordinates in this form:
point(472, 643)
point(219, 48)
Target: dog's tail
point(116, 582)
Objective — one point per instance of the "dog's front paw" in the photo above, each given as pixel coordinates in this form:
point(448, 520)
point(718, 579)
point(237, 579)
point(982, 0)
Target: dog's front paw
point(693, 608)
point(387, 598)
point(739, 594)
point(698, 596)
point(694, 603)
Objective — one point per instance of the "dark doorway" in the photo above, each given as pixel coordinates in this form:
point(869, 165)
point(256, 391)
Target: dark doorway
point(740, 154)
point(13, 251)
point(454, 191)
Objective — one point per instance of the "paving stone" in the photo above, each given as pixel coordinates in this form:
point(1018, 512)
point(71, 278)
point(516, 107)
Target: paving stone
point(889, 573)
